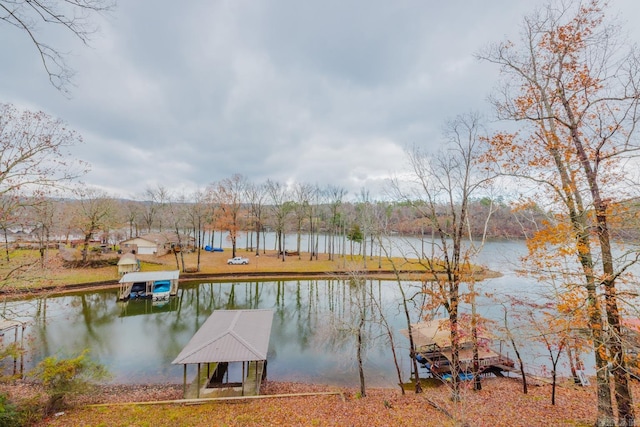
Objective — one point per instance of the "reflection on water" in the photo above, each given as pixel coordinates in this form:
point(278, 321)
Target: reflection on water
point(311, 337)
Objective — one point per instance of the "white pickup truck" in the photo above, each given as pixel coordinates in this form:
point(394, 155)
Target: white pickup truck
point(238, 260)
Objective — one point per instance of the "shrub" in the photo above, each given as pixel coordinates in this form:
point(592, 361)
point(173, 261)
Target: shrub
point(62, 378)
point(9, 352)
point(9, 415)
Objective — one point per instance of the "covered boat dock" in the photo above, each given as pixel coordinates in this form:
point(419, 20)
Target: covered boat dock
point(432, 340)
point(228, 337)
point(158, 285)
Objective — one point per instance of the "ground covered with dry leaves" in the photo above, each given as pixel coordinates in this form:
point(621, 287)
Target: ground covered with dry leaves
point(500, 403)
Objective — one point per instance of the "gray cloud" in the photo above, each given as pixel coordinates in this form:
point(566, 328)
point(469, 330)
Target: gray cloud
point(324, 92)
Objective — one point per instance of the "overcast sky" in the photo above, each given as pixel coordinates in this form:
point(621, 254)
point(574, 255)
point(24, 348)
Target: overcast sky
point(331, 92)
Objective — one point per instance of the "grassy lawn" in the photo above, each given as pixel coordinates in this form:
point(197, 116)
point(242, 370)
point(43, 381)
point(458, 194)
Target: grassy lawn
point(25, 269)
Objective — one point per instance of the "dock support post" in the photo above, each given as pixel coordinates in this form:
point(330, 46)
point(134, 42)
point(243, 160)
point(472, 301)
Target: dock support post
point(198, 382)
point(184, 381)
point(243, 378)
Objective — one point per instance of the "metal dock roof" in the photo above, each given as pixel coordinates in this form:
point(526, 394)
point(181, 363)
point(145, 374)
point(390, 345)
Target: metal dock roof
point(150, 276)
point(229, 336)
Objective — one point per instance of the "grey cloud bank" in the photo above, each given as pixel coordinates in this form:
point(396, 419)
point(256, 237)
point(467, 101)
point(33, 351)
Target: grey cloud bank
point(327, 93)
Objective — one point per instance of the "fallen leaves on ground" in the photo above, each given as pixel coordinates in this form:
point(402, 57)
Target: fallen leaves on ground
point(499, 403)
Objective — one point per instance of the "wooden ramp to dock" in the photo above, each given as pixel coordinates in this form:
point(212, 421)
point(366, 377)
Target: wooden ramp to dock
point(498, 369)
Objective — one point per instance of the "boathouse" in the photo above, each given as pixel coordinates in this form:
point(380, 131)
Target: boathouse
point(228, 338)
point(158, 285)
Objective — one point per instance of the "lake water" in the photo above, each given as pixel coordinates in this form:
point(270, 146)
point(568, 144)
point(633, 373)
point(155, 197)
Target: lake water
point(311, 339)
point(137, 340)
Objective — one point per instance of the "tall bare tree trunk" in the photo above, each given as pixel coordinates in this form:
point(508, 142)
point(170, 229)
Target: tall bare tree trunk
point(477, 383)
point(624, 399)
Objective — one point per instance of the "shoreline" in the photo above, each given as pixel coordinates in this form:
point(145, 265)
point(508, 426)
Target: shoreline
point(18, 293)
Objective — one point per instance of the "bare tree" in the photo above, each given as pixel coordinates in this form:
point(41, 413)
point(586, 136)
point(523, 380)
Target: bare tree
point(354, 322)
point(178, 216)
point(228, 195)
point(73, 16)
point(34, 151)
point(94, 212)
point(508, 330)
point(302, 195)
point(197, 211)
point(42, 213)
point(131, 212)
point(9, 207)
point(161, 197)
point(405, 303)
point(366, 220)
point(314, 212)
point(281, 206)
point(34, 148)
point(300, 206)
point(256, 195)
point(360, 301)
point(335, 195)
point(153, 205)
point(443, 188)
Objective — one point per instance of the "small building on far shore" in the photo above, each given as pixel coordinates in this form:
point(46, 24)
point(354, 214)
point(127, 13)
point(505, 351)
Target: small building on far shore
point(156, 244)
point(128, 263)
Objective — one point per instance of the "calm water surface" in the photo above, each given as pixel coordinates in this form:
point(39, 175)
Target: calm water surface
point(312, 336)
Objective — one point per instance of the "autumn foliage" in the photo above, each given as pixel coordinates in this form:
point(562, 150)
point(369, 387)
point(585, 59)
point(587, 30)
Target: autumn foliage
point(499, 403)
point(572, 85)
